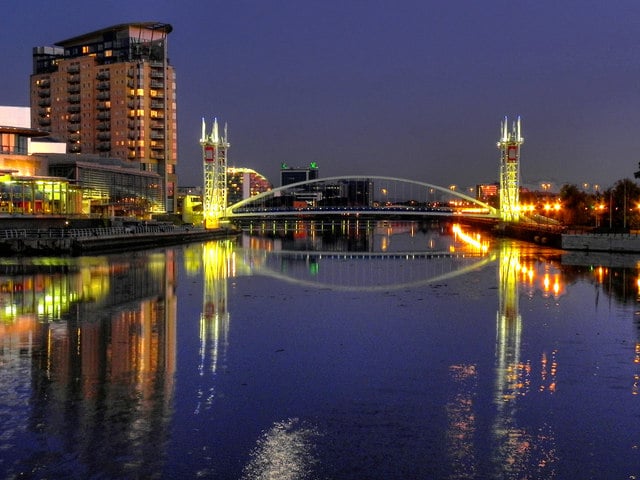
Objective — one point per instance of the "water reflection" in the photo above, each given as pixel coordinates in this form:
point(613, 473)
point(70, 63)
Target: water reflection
point(382, 256)
point(88, 357)
point(217, 267)
point(517, 449)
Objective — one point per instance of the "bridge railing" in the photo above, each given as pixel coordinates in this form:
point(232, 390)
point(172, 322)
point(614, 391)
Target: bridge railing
point(88, 232)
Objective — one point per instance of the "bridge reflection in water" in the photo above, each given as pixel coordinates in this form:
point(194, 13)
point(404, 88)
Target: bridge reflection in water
point(365, 256)
point(90, 343)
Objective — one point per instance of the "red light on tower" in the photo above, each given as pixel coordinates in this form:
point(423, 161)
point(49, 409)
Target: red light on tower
point(209, 154)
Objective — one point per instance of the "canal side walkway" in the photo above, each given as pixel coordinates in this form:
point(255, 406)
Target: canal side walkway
point(81, 241)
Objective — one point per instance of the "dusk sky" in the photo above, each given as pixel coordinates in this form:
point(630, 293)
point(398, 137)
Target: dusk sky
point(411, 89)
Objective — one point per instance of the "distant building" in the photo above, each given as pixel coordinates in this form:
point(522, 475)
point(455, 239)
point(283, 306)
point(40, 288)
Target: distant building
point(289, 175)
point(243, 183)
point(112, 93)
point(485, 192)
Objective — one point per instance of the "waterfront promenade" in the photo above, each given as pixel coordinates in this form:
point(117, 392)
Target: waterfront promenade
point(80, 241)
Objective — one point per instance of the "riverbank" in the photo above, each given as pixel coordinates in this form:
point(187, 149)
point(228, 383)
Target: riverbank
point(77, 242)
point(602, 242)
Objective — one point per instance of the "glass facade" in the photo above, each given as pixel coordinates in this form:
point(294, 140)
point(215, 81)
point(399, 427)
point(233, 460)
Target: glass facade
point(111, 189)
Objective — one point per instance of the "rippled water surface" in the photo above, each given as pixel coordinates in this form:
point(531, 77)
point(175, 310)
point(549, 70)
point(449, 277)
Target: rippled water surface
point(339, 352)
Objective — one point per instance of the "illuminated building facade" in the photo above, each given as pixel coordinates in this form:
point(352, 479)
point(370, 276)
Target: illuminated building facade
point(243, 183)
point(112, 93)
point(25, 187)
point(110, 187)
point(487, 192)
point(509, 145)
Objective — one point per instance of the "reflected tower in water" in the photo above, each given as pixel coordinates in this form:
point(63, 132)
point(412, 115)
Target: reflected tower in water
point(217, 264)
point(515, 450)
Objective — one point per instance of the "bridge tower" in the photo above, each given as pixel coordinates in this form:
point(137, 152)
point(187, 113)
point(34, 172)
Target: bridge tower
point(214, 156)
point(509, 145)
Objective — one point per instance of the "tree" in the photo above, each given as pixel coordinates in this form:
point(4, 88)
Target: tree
point(576, 206)
point(623, 201)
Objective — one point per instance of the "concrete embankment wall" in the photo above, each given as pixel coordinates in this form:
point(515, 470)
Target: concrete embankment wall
point(607, 242)
point(45, 245)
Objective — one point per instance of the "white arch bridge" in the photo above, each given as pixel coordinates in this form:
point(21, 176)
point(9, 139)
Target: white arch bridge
point(362, 195)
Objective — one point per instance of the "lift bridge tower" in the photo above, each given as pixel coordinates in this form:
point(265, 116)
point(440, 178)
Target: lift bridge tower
point(509, 145)
point(214, 156)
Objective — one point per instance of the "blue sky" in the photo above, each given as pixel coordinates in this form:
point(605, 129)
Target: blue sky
point(413, 89)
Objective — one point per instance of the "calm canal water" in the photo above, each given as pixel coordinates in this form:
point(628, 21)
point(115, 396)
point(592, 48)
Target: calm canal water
point(336, 351)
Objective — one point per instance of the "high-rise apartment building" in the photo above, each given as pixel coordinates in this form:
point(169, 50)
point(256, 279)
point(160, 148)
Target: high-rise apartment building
point(112, 92)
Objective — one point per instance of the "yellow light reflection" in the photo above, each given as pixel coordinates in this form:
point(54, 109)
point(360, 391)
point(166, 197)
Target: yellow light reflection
point(475, 242)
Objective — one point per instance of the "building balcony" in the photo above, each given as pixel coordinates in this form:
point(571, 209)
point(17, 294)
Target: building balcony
point(44, 83)
point(157, 104)
point(104, 146)
point(74, 68)
point(157, 126)
point(157, 74)
point(45, 102)
point(102, 126)
point(157, 155)
point(73, 127)
point(75, 118)
point(104, 136)
point(44, 121)
point(74, 88)
point(74, 137)
point(105, 95)
point(156, 64)
point(44, 92)
point(73, 109)
point(131, 73)
point(74, 148)
point(73, 79)
point(104, 85)
point(74, 99)
point(103, 75)
point(156, 84)
point(103, 106)
point(157, 146)
point(104, 115)
point(157, 136)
